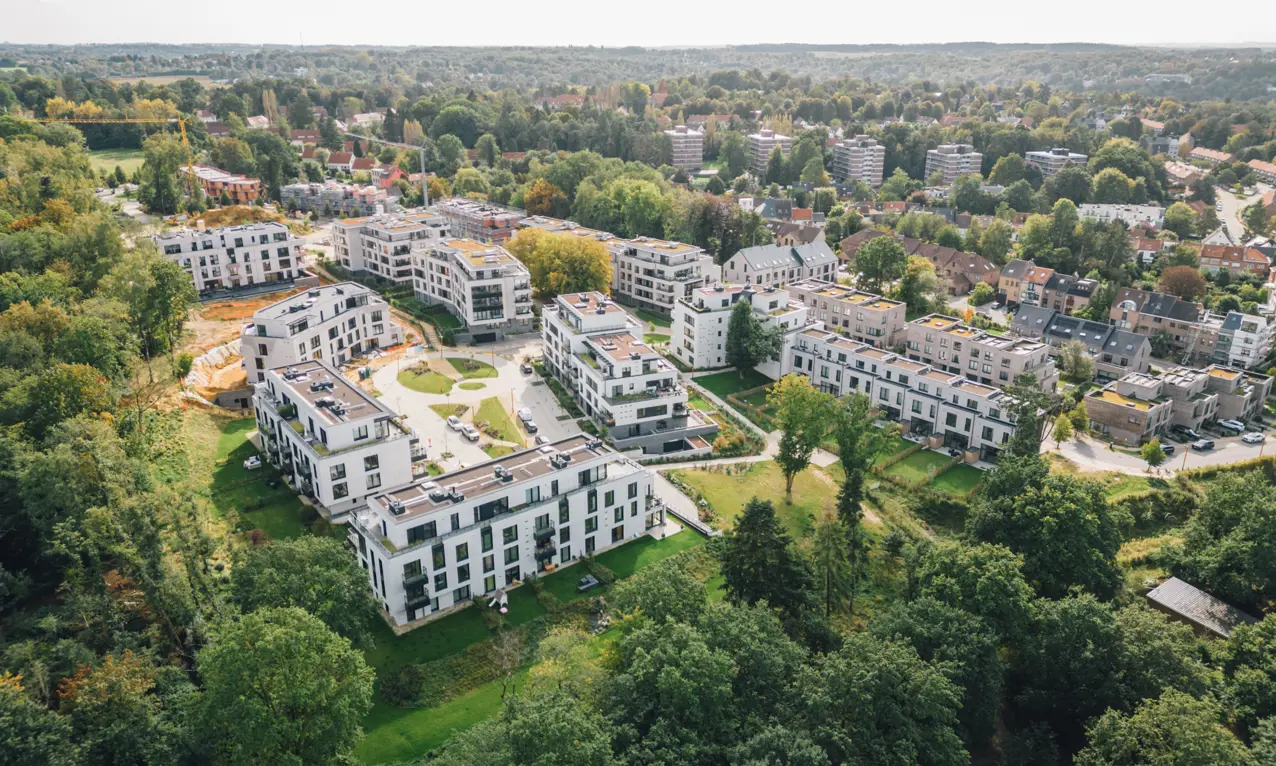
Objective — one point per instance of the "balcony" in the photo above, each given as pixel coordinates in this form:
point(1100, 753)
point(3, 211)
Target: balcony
point(416, 579)
point(542, 534)
point(545, 552)
point(646, 395)
point(419, 602)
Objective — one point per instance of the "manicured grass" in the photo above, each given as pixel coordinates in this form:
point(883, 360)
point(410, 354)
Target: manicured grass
point(893, 447)
point(107, 159)
point(430, 383)
point(652, 339)
point(442, 638)
point(728, 382)
point(498, 450)
point(657, 319)
point(814, 494)
point(916, 467)
point(276, 511)
point(472, 368)
point(444, 410)
point(493, 412)
point(443, 319)
point(959, 479)
point(472, 385)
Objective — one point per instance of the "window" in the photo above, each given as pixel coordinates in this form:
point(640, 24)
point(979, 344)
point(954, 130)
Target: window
point(563, 514)
point(438, 556)
point(461, 594)
point(565, 554)
point(511, 575)
point(511, 555)
point(951, 420)
point(440, 581)
point(371, 463)
point(361, 433)
point(463, 552)
point(411, 569)
point(338, 472)
point(591, 524)
point(633, 489)
point(609, 499)
point(509, 534)
point(533, 495)
point(617, 534)
point(620, 514)
point(463, 573)
point(593, 500)
point(374, 480)
point(489, 583)
point(339, 491)
point(564, 534)
point(456, 521)
point(589, 545)
point(486, 536)
point(489, 562)
point(420, 533)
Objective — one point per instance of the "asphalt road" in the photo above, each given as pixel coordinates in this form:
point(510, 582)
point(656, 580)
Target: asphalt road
point(1233, 206)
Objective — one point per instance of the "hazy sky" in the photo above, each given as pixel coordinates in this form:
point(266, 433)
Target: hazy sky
point(650, 23)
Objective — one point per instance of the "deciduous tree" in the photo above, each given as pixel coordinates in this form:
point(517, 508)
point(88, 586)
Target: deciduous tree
point(1184, 281)
point(1174, 729)
point(880, 262)
point(804, 417)
point(749, 341)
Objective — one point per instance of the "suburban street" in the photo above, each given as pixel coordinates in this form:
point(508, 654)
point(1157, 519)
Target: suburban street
point(1233, 206)
point(1092, 455)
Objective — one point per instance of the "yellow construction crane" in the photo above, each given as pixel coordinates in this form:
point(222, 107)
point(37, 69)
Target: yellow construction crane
point(181, 123)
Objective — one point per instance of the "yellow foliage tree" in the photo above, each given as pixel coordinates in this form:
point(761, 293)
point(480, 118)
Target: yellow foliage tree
point(562, 263)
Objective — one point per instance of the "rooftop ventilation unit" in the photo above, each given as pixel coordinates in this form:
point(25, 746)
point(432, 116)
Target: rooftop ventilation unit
point(455, 495)
point(291, 373)
point(397, 507)
point(560, 460)
point(594, 444)
point(322, 385)
point(325, 401)
point(438, 495)
point(600, 310)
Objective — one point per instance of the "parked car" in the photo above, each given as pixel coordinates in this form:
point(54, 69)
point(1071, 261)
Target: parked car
point(454, 423)
point(1203, 445)
point(525, 414)
point(470, 432)
point(1185, 431)
point(541, 439)
point(1167, 449)
point(252, 463)
point(1253, 437)
point(531, 426)
point(1234, 425)
point(526, 368)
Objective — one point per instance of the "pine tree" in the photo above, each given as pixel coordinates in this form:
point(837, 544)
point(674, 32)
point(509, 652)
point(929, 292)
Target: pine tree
point(760, 563)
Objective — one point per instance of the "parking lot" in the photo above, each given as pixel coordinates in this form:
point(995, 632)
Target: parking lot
point(1095, 455)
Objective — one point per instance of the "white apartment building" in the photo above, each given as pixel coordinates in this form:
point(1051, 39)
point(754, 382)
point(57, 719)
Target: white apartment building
point(1153, 215)
point(332, 197)
point(481, 221)
point(761, 145)
point(862, 316)
point(483, 285)
point(334, 443)
point(235, 256)
point(335, 323)
point(699, 334)
point(948, 344)
point(860, 159)
point(952, 411)
point(432, 546)
point(779, 265)
point(384, 245)
point(953, 161)
point(647, 273)
point(1051, 161)
point(688, 147)
point(631, 392)
point(1244, 340)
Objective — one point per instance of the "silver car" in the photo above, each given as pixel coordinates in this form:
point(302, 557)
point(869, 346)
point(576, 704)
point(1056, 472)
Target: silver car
point(470, 432)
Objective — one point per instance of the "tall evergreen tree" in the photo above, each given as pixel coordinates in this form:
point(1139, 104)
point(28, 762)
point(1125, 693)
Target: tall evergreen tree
point(760, 563)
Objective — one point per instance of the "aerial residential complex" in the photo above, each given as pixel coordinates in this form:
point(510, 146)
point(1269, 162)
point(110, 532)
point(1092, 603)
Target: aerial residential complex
point(949, 344)
point(1130, 215)
point(779, 265)
point(235, 256)
point(481, 221)
point(481, 284)
point(215, 182)
point(335, 443)
point(384, 245)
point(762, 143)
point(862, 316)
point(1115, 352)
point(332, 197)
point(953, 161)
point(335, 323)
point(1051, 161)
point(438, 542)
point(687, 147)
point(700, 322)
point(859, 159)
point(631, 392)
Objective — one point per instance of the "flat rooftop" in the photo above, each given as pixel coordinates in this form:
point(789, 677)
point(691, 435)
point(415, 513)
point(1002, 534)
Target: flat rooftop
point(1224, 373)
point(937, 322)
point(1112, 397)
point(622, 345)
point(299, 306)
point(430, 495)
point(330, 393)
point(590, 302)
point(661, 246)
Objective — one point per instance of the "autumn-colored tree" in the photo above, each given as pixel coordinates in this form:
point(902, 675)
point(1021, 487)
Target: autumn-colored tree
point(1183, 281)
point(562, 263)
point(544, 198)
point(438, 188)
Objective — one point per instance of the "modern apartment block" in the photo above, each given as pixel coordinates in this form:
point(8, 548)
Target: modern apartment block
point(1130, 215)
point(950, 345)
point(1244, 340)
point(335, 323)
point(762, 143)
point(646, 273)
point(953, 161)
point(1242, 395)
point(949, 409)
point(780, 265)
point(235, 256)
point(482, 285)
point(335, 443)
point(687, 147)
point(859, 159)
point(633, 393)
point(332, 198)
point(1189, 330)
point(384, 245)
point(1130, 410)
point(480, 221)
point(700, 323)
point(1051, 161)
point(433, 545)
point(215, 182)
point(1115, 352)
point(862, 316)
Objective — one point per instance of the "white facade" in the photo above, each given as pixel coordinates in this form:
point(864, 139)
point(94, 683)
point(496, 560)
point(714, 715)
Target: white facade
point(778, 265)
point(1051, 161)
point(384, 245)
point(483, 285)
point(762, 143)
point(953, 161)
point(687, 147)
point(235, 256)
point(860, 159)
point(1128, 214)
point(333, 442)
point(700, 323)
point(440, 542)
point(335, 323)
point(1244, 340)
point(596, 349)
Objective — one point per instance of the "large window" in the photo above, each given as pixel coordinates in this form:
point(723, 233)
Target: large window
point(463, 552)
point(511, 555)
point(486, 536)
point(591, 524)
point(510, 534)
point(438, 556)
point(420, 533)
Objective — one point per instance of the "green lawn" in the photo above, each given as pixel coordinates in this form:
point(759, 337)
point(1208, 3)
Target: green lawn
point(623, 561)
point(444, 410)
point(728, 382)
point(472, 385)
point(107, 159)
point(814, 494)
point(652, 339)
point(916, 467)
point(472, 368)
point(501, 427)
point(443, 319)
point(234, 489)
point(498, 450)
point(959, 479)
point(894, 446)
point(659, 320)
point(430, 383)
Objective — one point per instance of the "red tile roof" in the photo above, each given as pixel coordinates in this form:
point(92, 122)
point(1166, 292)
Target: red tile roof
point(363, 163)
point(340, 158)
point(1235, 258)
